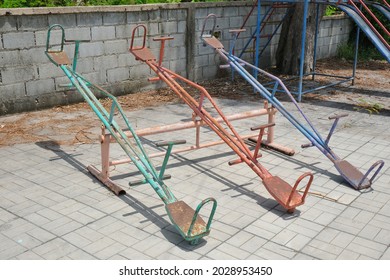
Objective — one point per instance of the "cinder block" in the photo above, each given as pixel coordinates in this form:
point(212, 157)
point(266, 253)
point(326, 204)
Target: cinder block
point(244, 11)
point(201, 13)
point(153, 29)
point(182, 14)
point(32, 22)
point(18, 40)
point(140, 72)
point(154, 15)
point(224, 24)
point(9, 58)
point(326, 23)
point(100, 33)
point(118, 74)
point(8, 23)
point(13, 91)
point(123, 31)
point(202, 60)
point(136, 17)
point(178, 65)
point(38, 87)
point(85, 65)
point(178, 53)
point(92, 49)
point(203, 50)
point(116, 47)
point(114, 18)
point(168, 28)
point(33, 56)
point(49, 70)
point(179, 41)
point(89, 19)
point(105, 62)
point(20, 74)
point(126, 60)
point(78, 33)
point(65, 20)
point(230, 12)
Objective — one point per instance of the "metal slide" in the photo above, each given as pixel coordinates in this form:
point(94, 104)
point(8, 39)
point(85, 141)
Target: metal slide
point(379, 44)
point(383, 9)
point(350, 173)
point(286, 195)
point(186, 220)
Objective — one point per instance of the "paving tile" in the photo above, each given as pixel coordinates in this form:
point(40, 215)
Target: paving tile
point(54, 249)
point(51, 209)
point(348, 255)
point(232, 250)
point(386, 255)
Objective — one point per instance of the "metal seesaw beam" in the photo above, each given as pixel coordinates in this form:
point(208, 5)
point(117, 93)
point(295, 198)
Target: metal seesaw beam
point(186, 220)
point(286, 195)
point(350, 173)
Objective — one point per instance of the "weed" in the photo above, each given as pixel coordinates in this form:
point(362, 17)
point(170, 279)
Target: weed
point(370, 107)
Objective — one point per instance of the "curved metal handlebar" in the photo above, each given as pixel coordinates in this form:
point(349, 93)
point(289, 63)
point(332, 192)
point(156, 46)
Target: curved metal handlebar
point(203, 202)
point(62, 37)
point(214, 16)
point(296, 185)
point(132, 38)
point(380, 163)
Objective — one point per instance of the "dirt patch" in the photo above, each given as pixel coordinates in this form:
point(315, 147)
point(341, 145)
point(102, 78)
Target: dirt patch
point(72, 124)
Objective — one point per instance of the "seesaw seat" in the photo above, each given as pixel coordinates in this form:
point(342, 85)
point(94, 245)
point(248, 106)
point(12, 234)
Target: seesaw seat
point(352, 174)
point(287, 196)
point(183, 217)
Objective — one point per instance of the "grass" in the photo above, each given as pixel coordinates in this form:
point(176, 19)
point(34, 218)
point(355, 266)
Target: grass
point(370, 107)
point(365, 53)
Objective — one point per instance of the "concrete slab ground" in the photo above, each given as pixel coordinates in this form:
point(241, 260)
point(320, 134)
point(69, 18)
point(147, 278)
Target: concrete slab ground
point(52, 208)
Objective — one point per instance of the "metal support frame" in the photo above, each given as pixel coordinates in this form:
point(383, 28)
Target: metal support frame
point(353, 176)
point(286, 195)
point(300, 83)
point(106, 138)
point(189, 223)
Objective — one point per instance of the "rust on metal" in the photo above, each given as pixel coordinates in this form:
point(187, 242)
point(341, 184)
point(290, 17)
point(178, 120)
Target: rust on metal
point(352, 173)
point(106, 181)
point(61, 58)
point(143, 54)
point(282, 191)
point(182, 215)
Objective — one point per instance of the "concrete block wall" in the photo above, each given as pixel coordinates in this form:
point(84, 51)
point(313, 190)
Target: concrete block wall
point(29, 81)
point(333, 31)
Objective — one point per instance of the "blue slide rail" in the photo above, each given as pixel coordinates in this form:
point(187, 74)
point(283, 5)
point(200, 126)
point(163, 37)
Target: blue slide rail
point(353, 14)
point(383, 9)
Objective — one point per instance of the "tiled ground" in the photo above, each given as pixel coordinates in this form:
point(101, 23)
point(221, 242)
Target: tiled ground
point(52, 208)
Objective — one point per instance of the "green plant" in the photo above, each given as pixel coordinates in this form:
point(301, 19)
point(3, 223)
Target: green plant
point(365, 52)
point(331, 10)
point(370, 107)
